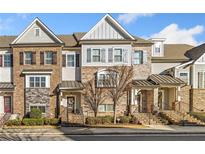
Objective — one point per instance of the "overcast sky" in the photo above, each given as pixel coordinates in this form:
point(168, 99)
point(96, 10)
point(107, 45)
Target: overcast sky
point(176, 28)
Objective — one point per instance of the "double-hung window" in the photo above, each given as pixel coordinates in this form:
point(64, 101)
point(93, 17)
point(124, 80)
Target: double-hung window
point(138, 57)
point(96, 55)
point(118, 55)
point(48, 57)
point(201, 79)
point(28, 57)
point(37, 82)
point(37, 32)
point(7, 60)
point(40, 107)
point(71, 60)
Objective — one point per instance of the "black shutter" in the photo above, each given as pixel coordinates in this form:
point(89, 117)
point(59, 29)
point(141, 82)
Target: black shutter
point(1, 60)
point(21, 58)
point(77, 60)
point(64, 60)
point(54, 58)
point(42, 58)
point(11, 60)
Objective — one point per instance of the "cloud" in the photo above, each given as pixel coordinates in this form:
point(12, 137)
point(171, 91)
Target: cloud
point(174, 34)
point(128, 18)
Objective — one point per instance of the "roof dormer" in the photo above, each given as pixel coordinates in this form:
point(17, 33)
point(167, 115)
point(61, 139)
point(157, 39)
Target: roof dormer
point(157, 47)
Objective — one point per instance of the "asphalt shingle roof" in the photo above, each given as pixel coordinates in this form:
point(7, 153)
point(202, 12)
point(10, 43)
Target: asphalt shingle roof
point(70, 85)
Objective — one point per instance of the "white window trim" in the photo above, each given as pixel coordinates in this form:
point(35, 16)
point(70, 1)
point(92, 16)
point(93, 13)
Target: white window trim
point(74, 60)
point(24, 57)
point(203, 80)
point(3, 60)
point(187, 76)
point(45, 58)
point(100, 54)
point(37, 105)
point(47, 77)
point(35, 32)
point(106, 110)
point(114, 55)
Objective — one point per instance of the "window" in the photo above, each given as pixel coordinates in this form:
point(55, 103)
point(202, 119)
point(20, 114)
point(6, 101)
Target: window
point(28, 57)
point(40, 107)
point(138, 57)
point(106, 79)
point(7, 104)
point(37, 32)
point(48, 57)
point(184, 76)
point(201, 79)
point(118, 55)
point(7, 60)
point(37, 82)
point(96, 55)
point(71, 60)
point(157, 50)
point(105, 108)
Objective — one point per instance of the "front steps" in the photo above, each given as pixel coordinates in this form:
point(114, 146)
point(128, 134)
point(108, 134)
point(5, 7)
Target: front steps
point(150, 119)
point(178, 118)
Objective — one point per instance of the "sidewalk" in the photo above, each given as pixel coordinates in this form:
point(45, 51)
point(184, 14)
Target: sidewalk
point(98, 131)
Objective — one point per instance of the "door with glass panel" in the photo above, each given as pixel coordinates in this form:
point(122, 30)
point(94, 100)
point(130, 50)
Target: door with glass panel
point(7, 104)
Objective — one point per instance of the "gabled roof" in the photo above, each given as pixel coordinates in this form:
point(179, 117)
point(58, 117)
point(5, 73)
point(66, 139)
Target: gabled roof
point(174, 53)
point(5, 41)
point(196, 52)
point(111, 20)
point(37, 20)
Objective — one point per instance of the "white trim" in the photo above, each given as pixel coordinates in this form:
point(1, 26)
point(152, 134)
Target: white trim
point(75, 103)
point(187, 75)
point(184, 64)
point(42, 24)
point(113, 20)
point(197, 62)
point(31, 72)
point(35, 32)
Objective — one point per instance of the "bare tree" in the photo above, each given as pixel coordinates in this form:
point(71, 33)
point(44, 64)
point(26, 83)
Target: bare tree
point(93, 95)
point(119, 82)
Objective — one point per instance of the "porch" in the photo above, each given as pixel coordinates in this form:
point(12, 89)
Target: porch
point(6, 98)
point(69, 100)
point(158, 92)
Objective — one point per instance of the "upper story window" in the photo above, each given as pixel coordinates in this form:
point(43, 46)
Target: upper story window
point(5, 60)
point(118, 55)
point(48, 57)
point(184, 76)
point(138, 57)
point(28, 58)
point(71, 60)
point(158, 47)
point(37, 82)
point(96, 55)
point(37, 32)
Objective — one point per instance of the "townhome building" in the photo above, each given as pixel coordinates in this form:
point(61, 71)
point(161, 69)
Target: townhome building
point(39, 69)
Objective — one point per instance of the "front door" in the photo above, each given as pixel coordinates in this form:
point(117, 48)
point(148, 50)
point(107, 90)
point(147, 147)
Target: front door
point(7, 104)
point(161, 100)
point(71, 103)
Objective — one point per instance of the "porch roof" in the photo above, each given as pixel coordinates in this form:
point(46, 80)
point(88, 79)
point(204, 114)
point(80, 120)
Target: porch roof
point(143, 83)
point(6, 86)
point(71, 85)
point(165, 79)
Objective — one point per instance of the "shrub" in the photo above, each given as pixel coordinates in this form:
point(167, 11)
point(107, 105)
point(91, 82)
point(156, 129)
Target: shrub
point(51, 121)
point(32, 122)
point(198, 115)
point(91, 121)
point(107, 119)
point(134, 120)
point(35, 113)
point(16, 122)
point(124, 119)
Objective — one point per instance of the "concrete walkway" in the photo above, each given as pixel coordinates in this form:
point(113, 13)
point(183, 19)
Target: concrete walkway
point(171, 129)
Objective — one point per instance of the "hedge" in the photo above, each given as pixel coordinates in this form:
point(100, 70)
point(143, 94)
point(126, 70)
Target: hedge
point(35, 113)
point(32, 121)
point(51, 121)
point(198, 115)
point(99, 120)
point(16, 122)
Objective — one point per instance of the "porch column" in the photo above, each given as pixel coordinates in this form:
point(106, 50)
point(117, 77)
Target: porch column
point(155, 100)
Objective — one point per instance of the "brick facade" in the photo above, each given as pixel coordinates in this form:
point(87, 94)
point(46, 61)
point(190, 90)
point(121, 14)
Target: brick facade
point(197, 100)
point(19, 78)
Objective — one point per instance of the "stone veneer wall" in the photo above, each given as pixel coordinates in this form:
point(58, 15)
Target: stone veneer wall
point(19, 78)
point(37, 96)
point(197, 100)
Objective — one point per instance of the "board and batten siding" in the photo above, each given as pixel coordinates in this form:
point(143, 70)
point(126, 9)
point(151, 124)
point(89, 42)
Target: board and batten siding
point(71, 73)
point(106, 61)
point(196, 69)
point(5, 72)
point(105, 31)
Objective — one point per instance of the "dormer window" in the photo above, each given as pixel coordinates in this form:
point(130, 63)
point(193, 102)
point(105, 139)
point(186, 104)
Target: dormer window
point(37, 32)
point(158, 47)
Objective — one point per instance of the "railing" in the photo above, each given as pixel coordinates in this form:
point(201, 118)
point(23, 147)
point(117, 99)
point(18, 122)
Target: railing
point(5, 117)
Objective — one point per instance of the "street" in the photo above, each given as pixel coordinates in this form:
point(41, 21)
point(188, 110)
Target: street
point(131, 137)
